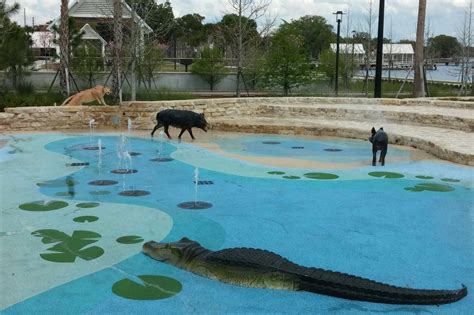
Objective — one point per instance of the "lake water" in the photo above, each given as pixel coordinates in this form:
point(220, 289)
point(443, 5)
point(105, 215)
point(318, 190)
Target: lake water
point(450, 73)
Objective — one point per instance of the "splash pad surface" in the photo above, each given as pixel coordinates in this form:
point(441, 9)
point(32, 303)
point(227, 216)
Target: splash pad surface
point(72, 225)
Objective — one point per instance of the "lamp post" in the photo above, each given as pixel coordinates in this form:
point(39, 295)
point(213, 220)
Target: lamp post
point(353, 43)
point(378, 64)
point(339, 15)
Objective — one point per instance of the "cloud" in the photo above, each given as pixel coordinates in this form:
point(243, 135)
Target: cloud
point(445, 16)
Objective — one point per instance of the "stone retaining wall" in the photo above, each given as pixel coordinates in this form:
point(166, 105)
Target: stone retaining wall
point(143, 113)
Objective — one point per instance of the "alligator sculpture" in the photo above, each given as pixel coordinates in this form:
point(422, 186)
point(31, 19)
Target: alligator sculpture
point(258, 268)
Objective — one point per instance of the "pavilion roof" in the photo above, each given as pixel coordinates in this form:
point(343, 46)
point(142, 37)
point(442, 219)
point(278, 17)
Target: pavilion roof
point(90, 33)
point(395, 49)
point(101, 9)
point(347, 48)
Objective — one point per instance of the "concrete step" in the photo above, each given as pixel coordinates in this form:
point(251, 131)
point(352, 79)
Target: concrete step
point(445, 117)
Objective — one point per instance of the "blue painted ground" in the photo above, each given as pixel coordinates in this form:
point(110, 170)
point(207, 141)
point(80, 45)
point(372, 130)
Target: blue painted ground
point(369, 227)
point(334, 151)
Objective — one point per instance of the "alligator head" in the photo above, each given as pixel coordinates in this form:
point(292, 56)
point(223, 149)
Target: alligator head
point(175, 253)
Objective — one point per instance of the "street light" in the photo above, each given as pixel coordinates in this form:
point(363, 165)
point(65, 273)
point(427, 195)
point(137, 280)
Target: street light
point(378, 64)
point(353, 43)
point(339, 15)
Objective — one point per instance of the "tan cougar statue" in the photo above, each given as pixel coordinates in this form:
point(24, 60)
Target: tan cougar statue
point(94, 94)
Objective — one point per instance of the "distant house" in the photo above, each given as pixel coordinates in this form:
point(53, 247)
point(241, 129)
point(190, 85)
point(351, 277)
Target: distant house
point(90, 34)
point(351, 49)
point(43, 45)
point(95, 18)
point(398, 55)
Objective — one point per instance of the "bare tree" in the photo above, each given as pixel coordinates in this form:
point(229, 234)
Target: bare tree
point(46, 41)
point(370, 19)
point(419, 82)
point(346, 76)
point(466, 41)
point(138, 47)
point(64, 48)
point(134, 52)
point(248, 10)
point(117, 52)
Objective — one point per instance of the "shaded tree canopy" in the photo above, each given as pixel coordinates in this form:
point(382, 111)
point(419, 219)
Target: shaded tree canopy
point(327, 65)
point(407, 41)
point(316, 32)
point(158, 16)
point(190, 29)
point(15, 52)
point(210, 67)
point(444, 46)
point(288, 63)
point(229, 26)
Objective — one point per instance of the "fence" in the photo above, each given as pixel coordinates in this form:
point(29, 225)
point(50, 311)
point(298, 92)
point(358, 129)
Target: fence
point(175, 81)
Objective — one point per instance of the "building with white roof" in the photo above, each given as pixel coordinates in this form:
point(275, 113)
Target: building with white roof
point(398, 55)
point(357, 50)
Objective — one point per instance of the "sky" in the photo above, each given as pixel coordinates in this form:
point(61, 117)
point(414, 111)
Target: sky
point(443, 16)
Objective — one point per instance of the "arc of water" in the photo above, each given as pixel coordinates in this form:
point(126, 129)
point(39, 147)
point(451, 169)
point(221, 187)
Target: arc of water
point(124, 157)
point(161, 143)
point(129, 125)
point(99, 160)
point(91, 128)
point(196, 179)
point(128, 159)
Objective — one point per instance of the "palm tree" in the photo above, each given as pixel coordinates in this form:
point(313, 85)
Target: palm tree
point(64, 48)
point(5, 13)
point(117, 51)
point(419, 82)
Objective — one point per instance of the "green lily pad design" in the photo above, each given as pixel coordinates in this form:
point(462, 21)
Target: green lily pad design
point(68, 248)
point(43, 205)
point(389, 175)
point(86, 219)
point(430, 187)
point(87, 204)
point(321, 176)
point(130, 239)
point(66, 182)
point(65, 194)
point(424, 177)
point(450, 180)
point(291, 177)
point(151, 288)
point(50, 236)
point(276, 173)
point(99, 192)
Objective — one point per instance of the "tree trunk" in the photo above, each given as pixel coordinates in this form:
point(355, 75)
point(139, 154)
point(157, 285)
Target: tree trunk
point(64, 48)
point(419, 84)
point(239, 51)
point(117, 51)
point(135, 42)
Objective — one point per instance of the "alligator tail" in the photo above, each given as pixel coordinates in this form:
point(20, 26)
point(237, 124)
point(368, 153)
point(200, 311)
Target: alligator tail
point(356, 288)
